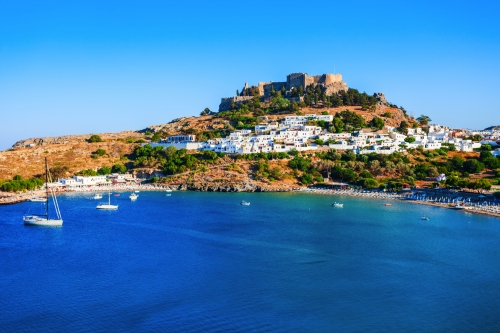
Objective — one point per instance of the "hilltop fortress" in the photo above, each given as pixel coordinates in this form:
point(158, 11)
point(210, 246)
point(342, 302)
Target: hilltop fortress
point(330, 83)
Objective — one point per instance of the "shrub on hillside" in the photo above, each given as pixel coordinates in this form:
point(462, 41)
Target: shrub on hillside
point(94, 138)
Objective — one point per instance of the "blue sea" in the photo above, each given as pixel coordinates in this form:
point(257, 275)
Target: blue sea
point(289, 262)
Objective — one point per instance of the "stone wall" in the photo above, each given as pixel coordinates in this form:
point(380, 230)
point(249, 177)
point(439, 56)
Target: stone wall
point(332, 83)
point(225, 102)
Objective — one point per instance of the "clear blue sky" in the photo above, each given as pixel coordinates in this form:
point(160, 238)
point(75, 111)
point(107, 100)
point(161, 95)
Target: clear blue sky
point(74, 67)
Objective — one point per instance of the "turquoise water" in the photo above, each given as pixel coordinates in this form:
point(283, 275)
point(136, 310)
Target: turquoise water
point(201, 262)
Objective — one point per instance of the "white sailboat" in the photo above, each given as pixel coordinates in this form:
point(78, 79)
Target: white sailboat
point(107, 206)
point(45, 220)
point(133, 197)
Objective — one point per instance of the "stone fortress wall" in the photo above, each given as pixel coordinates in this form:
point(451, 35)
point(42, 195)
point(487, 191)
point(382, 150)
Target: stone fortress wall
point(332, 83)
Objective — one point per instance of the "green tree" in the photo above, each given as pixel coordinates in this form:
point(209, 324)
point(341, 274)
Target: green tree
point(94, 138)
point(319, 142)
point(301, 90)
point(17, 177)
point(424, 120)
point(491, 163)
point(156, 137)
point(348, 175)
point(377, 123)
point(457, 162)
point(210, 155)
point(473, 166)
point(403, 127)
point(410, 139)
point(486, 147)
point(100, 152)
point(280, 103)
point(205, 112)
point(482, 184)
point(338, 124)
point(119, 168)
point(306, 179)
point(104, 170)
point(294, 107)
point(368, 183)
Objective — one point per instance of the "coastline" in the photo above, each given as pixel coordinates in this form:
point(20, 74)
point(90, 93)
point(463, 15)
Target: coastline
point(493, 211)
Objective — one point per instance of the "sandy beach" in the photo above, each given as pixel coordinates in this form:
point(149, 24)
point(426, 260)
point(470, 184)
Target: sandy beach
point(442, 200)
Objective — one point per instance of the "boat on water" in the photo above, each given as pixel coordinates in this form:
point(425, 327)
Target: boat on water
point(38, 199)
point(107, 206)
point(117, 194)
point(168, 190)
point(245, 203)
point(45, 220)
point(458, 206)
point(338, 204)
point(425, 218)
point(133, 197)
point(97, 196)
point(136, 191)
point(387, 204)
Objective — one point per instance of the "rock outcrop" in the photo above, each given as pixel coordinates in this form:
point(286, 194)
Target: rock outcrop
point(381, 99)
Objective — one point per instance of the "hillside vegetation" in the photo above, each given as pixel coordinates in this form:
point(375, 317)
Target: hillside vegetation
point(121, 152)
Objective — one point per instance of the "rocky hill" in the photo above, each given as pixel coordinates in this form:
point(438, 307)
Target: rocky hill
point(74, 153)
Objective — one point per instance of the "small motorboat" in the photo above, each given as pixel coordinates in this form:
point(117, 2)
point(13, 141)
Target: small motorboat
point(425, 218)
point(337, 204)
point(245, 203)
point(133, 197)
point(117, 194)
point(97, 196)
point(136, 191)
point(168, 190)
point(388, 204)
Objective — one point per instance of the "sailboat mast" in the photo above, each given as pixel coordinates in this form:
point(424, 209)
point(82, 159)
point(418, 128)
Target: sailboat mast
point(47, 188)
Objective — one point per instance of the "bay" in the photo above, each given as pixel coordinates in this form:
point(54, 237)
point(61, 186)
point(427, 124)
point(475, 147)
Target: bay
point(289, 262)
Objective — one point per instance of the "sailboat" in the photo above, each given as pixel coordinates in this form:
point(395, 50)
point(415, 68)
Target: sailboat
point(107, 206)
point(44, 220)
point(133, 196)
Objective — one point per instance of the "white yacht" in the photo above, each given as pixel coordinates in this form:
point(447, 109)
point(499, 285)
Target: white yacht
point(45, 220)
point(133, 197)
point(337, 204)
point(245, 203)
point(107, 206)
point(97, 196)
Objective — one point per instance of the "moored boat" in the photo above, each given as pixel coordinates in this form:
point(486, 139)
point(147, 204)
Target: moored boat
point(133, 197)
point(245, 203)
point(338, 204)
point(107, 206)
point(45, 220)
